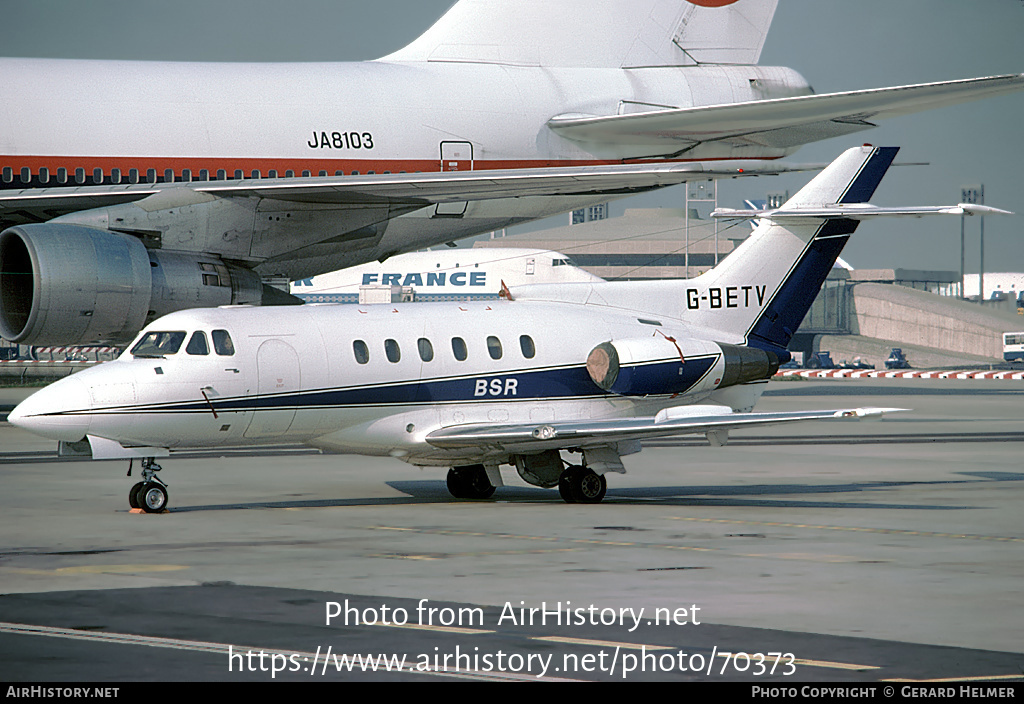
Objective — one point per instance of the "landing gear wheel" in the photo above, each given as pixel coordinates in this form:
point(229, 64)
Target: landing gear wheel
point(150, 494)
point(456, 484)
point(133, 501)
point(566, 481)
point(591, 488)
point(152, 497)
point(579, 485)
point(470, 483)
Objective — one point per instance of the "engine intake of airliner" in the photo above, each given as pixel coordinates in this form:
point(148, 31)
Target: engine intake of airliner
point(65, 284)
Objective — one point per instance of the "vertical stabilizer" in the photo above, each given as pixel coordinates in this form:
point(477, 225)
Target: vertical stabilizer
point(596, 33)
point(763, 290)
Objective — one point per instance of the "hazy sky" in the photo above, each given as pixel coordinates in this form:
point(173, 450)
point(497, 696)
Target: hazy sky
point(836, 45)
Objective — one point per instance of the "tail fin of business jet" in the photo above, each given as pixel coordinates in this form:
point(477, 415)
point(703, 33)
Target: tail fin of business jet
point(596, 33)
point(763, 290)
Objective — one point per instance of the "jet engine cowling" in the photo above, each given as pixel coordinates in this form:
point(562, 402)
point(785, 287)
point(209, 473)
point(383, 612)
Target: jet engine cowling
point(665, 365)
point(64, 284)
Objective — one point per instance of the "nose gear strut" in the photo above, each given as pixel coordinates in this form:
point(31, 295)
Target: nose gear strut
point(150, 494)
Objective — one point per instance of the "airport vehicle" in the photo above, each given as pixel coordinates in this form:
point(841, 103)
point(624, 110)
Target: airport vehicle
point(589, 368)
point(821, 360)
point(445, 275)
point(1013, 346)
point(897, 360)
point(129, 190)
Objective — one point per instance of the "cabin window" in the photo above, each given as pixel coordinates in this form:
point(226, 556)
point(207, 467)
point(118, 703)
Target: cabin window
point(151, 175)
point(26, 174)
point(62, 175)
point(361, 351)
point(426, 349)
point(272, 173)
point(8, 174)
point(158, 344)
point(239, 175)
point(222, 175)
point(44, 175)
point(527, 346)
point(79, 175)
point(459, 349)
point(133, 175)
point(256, 173)
point(222, 343)
point(392, 351)
point(197, 344)
point(186, 175)
point(204, 174)
point(168, 175)
point(306, 173)
point(494, 347)
point(97, 175)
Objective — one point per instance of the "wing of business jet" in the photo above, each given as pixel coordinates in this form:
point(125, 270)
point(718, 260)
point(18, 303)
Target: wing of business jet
point(713, 421)
point(778, 123)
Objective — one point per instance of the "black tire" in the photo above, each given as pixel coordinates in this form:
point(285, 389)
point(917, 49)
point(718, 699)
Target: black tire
point(590, 487)
point(566, 481)
point(470, 483)
point(479, 485)
point(152, 497)
point(456, 484)
point(133, 499)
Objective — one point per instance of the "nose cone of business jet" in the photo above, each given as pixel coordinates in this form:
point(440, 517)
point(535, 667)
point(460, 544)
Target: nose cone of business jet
point(61, 411)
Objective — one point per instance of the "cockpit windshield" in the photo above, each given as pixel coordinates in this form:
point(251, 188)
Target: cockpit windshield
point(159, 344)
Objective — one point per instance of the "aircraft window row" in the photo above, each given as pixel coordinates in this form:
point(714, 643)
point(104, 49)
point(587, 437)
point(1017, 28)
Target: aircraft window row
point(460, 350)
point(163, 343)
point(115, 176)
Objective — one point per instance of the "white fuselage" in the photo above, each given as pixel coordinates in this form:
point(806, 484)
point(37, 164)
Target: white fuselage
point(295, 376)
point(65, 123)
point(445, 275)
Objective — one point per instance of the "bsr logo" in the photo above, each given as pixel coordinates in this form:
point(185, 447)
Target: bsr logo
point(496, 387)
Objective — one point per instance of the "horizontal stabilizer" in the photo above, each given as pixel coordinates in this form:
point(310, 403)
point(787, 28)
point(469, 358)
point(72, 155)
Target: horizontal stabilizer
point(682, 420)
point(782, 123)
point(857, 211)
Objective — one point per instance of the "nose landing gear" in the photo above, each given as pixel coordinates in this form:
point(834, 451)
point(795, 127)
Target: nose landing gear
point(150, 494)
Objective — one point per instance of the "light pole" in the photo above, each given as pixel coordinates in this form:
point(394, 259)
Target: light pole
point(973, 195)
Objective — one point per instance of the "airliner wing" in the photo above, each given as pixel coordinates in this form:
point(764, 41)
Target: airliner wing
point(780, 123)
point(417, 189)
point(684, 420)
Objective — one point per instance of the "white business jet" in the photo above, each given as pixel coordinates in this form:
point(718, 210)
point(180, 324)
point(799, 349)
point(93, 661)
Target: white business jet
point(590, 368)
point(129, 190)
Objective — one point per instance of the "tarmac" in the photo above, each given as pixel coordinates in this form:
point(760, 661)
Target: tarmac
point(846, 551)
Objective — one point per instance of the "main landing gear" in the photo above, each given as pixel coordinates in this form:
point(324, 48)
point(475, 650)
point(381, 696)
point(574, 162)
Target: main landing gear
point(151, 493)
point(576, 484)
point(470, 482)
point(580, 485)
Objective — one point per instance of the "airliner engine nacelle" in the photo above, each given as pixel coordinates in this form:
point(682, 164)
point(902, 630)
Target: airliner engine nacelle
point(70, 284)
point(666, 365)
